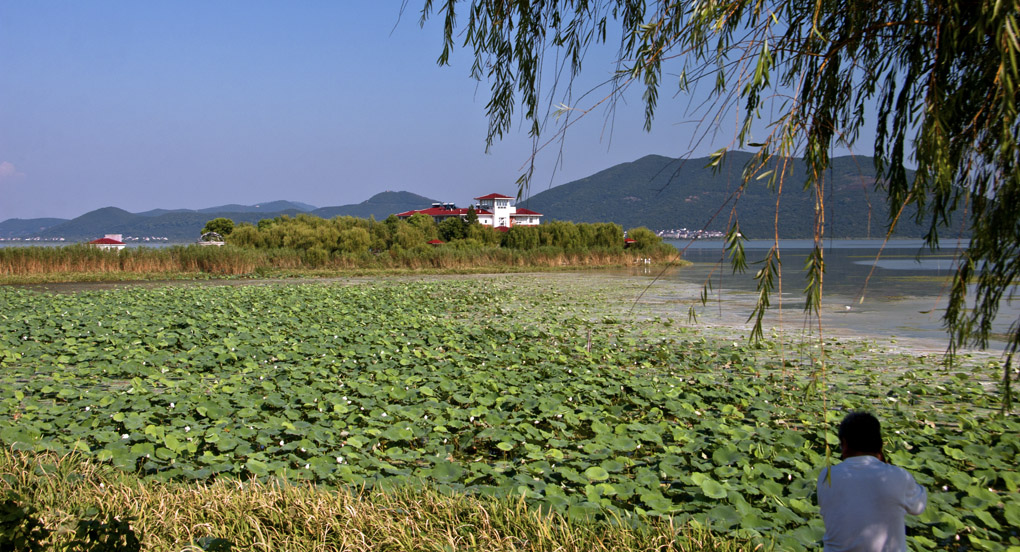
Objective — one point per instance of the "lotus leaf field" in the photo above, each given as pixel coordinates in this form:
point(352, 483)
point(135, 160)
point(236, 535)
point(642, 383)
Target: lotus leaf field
point(556, 387)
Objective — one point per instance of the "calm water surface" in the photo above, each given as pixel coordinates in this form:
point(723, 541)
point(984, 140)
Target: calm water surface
point(899, 291)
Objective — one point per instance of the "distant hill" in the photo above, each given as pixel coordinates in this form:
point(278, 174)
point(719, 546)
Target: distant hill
point(271, 207)
point(157, 212)
point(16, 228)
point(664, 193)
point(380, 206)
point(184, 225)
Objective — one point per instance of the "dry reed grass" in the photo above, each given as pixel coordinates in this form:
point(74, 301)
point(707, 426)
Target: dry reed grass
point(261, 516)
point(78, 262)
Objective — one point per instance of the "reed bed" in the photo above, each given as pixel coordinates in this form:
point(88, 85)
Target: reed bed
point(63, 493)
point(80, 262)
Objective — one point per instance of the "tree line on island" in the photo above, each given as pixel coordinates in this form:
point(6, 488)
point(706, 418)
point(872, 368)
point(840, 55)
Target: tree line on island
point(320, 241)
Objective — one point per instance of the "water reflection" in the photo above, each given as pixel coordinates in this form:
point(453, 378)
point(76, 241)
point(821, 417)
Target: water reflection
point(901, 293)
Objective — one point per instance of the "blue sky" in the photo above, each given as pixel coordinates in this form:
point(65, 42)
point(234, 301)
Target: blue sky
point(189, 104)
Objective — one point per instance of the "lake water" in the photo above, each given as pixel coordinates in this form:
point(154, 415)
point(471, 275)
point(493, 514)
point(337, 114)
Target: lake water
point(67, 243)
point(904, 297)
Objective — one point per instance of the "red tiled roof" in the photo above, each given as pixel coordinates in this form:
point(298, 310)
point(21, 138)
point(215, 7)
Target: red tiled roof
point(106, 241)
point(494, 196)
point(523, 211)
point(435, 242)
point(503, 228)
point(629, 240)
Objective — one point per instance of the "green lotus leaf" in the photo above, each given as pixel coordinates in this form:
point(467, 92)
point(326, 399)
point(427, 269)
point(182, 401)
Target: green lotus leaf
point(655, 502)
point(173, 443)
point(712, 488)
point(723, 517)
point(447, 471)
point(356, 441)
point(583, 511)
point(623, 443)
point(399, 432)
point(726, 455)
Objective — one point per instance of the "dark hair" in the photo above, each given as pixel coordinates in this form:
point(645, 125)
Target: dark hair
point(861, 432)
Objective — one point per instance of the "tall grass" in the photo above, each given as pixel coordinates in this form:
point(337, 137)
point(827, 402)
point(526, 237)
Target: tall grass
point(21, 261)
point(72, 262)
point(257, 515)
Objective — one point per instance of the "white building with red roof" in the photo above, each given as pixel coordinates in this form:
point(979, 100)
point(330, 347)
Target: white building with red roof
point(493, 210)
point(110, 241)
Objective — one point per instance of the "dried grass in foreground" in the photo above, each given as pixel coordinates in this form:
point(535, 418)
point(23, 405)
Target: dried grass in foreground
point(256, 515)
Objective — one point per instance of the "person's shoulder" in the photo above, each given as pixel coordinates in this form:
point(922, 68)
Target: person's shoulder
point(896, 473)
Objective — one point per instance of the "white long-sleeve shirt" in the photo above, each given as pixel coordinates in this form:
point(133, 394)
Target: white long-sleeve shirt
point(864, 505)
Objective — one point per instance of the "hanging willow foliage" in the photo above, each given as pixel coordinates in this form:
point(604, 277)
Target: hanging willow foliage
point(938, 77)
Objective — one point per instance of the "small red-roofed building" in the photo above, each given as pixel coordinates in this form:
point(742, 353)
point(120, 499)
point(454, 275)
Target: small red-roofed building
point(493, 210)
point(435, 243)
point(110, 241)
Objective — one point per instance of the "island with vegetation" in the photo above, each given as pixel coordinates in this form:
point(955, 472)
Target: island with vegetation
point(310, 245)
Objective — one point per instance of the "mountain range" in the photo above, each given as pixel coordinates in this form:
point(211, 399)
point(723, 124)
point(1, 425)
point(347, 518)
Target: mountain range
point(665, 193)
point(184, 225)
point(655, 191)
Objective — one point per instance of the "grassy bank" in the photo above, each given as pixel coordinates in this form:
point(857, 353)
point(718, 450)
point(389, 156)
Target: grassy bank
point(77, 263)
point(273, 515)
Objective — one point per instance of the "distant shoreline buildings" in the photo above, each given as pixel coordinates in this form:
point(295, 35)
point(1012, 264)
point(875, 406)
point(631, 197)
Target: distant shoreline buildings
point(685, 234)
point(37, 239)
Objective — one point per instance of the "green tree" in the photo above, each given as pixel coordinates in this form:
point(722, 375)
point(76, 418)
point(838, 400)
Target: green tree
point(471, 216)
point(561, 234)
point(407, 236)
point(453, 228)
point(221, 225)
point(354, 241)
point(938, 79)
point(425, 224)
point(484, 234)
point(644, 239)
point(608, 235)
point(245, 235)
point(521, 237)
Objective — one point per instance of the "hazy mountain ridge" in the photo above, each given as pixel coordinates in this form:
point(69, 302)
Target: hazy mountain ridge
point(664, 193)
point(655, 191)
point(17, 227)
point(183, 225)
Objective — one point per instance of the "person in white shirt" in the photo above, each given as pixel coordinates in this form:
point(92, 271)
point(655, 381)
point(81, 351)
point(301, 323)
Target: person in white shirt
point(863, 499)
